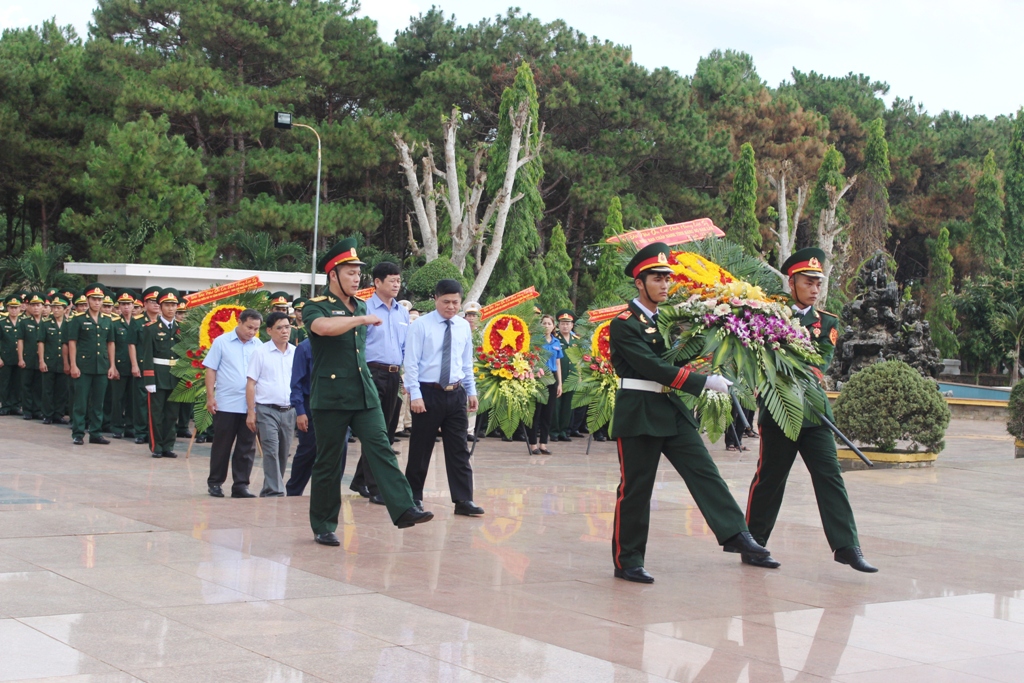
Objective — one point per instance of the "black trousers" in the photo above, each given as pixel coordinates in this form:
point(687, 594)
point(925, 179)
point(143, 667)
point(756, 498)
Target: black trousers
point(446, 410)
point(542, 417)
point(230, 429)
point(389, 388)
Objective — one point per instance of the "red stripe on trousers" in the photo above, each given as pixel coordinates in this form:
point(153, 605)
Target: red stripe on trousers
point(757, 475)
point(618, 505)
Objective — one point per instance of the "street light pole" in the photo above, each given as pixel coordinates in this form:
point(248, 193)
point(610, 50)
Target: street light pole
point(284, 120)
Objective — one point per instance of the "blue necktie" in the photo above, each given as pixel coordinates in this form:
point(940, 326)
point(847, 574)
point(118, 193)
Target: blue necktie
point(446, 355)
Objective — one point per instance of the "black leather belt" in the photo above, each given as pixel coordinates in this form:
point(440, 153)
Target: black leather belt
point(283, 409)
point(443, 387)
point(385, 366)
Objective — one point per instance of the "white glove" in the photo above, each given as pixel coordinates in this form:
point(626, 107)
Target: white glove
point(151, 388)
point(717, 383)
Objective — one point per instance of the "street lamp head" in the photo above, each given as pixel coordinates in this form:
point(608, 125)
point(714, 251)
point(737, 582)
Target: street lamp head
point(283, 119)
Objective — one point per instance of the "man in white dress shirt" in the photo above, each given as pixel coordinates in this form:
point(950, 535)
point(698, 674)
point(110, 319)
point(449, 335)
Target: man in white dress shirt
point(268, 398)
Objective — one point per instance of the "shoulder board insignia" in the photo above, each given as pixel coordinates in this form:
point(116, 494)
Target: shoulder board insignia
point(831, 315)
point(318, 299)
point(148, 324)
point(625, 315)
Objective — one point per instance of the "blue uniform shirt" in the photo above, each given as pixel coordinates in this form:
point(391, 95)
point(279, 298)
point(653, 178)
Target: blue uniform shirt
point(423, 353)
point(229, 357)
point(385, 343)
point(553, 347)
point(302, 375)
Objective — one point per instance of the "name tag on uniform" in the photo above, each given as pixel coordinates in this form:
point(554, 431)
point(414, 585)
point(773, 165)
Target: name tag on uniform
point(339, 313)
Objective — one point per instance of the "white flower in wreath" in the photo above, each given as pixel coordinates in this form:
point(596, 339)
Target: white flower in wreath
point(710, 303)
point(723, 309)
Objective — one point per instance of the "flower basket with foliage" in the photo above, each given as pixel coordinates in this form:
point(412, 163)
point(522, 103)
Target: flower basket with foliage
point(889, 402)
point(744, 334)
point(202, 325)
point(510, 377)
point(594, 381)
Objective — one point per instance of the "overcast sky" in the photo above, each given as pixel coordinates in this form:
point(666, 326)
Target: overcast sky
point(963, 56)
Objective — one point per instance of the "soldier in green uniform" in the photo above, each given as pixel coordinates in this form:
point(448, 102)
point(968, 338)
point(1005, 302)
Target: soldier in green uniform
point(10, 373)
point(650, 419)
point(91, 353)
point(298, 331)
point(29, 327)
point(158, 339)
point(121, 411)
point(140, 409)
point(563, 408)
point(816, 444)
point(343, 395)
point(52, 363)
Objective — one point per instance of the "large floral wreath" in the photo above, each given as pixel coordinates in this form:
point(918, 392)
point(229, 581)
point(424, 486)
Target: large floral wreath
point(510, 378)
point(594, 381)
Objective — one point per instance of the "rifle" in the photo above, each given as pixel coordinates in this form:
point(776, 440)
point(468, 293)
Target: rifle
point(842, 436)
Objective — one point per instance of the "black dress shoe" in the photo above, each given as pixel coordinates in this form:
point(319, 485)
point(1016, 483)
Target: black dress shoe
point(600, 437)
point(576, 434)
point(855, 558)
point(157, 454)
point(414, 515)
point(27, 416)
point(60, 421)
point(242, 493)
point(743, 542)
point(402, 434)
point(763, 561)
point(471, 437)
point(184, 435)
point(99, 440)
point(564, 437)
point(117, 436)
point(169, 454)
point(78, 441)
point(351, 439)
point(330, 538)
point(216, 492)
point(635, 574)
point(47, 421)
point(363, 491)
point(418, 503)
point(141, 440)
point(200, 439)
point(377, 499)
point(468, 508)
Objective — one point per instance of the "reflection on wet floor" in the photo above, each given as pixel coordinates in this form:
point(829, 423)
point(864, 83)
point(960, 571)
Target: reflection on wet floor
point(116, 567)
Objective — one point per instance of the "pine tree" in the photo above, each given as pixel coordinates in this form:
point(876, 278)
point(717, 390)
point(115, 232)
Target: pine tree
point(557, 264)
point(521, 237)
point(941, 315)
point(608, 273)
point(987, 238)
point(871, 206)
point(743, 225)
point(1014, 219)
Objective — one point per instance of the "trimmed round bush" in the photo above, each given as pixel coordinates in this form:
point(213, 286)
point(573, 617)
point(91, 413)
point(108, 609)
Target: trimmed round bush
point(422, 282)
point(1015, 423)
point(889, 402)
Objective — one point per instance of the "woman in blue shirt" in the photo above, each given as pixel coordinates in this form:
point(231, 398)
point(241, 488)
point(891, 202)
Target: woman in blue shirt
point(542, 417)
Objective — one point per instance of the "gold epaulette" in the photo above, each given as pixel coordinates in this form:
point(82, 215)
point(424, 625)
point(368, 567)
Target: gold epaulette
point(318, 299)
point(138, 317)
point(833, 315)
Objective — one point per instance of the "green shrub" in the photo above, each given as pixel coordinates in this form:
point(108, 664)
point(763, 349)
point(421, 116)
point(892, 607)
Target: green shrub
point(422, 282)
point(889, 402)
point(1015, 424)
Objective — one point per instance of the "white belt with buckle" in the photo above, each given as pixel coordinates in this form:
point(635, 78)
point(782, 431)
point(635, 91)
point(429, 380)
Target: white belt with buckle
point(644, 385)
point(165, 361)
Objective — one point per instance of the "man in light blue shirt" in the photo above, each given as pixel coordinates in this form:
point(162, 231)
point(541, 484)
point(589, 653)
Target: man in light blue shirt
point(227, 363)
point(439, 378)
point(385, 352)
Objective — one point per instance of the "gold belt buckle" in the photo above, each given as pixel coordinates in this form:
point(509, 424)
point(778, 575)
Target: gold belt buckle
point(666, 389)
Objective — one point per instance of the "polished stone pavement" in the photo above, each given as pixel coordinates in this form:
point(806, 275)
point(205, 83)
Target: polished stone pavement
point(117, 567)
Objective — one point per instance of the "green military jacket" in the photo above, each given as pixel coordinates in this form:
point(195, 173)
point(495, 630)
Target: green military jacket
point(9, 341)
point(568, 367)
point(28, 333)
point(824, 329)
point(52, 337)
point(123, 336)
point(155, 354)
point(297, 335)
point(91, 337)
point(637, 350)
point(341, 379)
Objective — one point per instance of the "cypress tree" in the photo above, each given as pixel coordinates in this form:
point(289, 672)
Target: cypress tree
point(743, 225)
point(557, 264)
point(987, 238)
point(941, 316)
point(1014, 219)
point(608, 273)
point(521, 240)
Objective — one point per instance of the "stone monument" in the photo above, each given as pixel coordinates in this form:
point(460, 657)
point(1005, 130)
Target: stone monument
point(880, 325)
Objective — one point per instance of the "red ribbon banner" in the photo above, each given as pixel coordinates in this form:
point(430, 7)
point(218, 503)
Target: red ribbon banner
point(599, 315)
point(365, 294)
point(508, 303)
point(677, 233)
point(208, 296)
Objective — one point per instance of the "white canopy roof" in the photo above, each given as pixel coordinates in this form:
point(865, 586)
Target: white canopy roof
point(186, 279)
